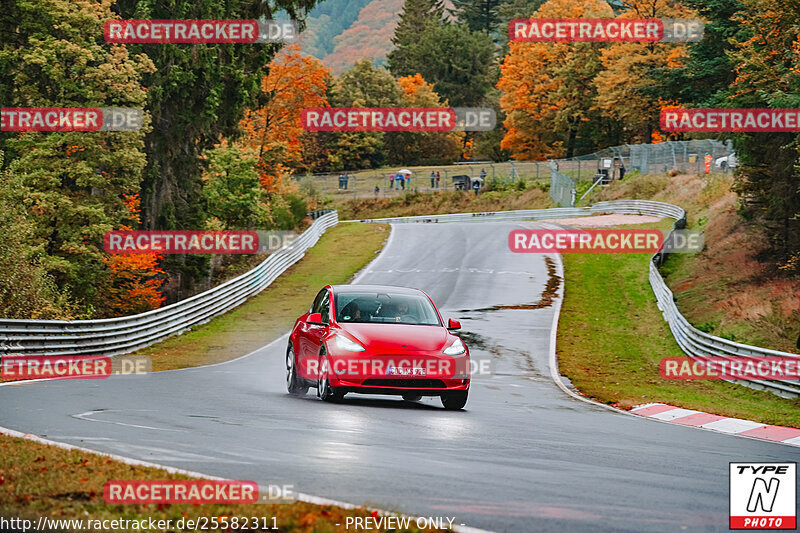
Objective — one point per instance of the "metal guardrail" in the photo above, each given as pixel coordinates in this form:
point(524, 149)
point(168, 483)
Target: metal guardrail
point(114, 336)
point(692, 341)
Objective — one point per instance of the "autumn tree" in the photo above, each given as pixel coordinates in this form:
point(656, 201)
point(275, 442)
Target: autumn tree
point(135, 279)
point(295, 81)
point(421, 147)
point(625, 89)
point(70, 185)
point(548, 89)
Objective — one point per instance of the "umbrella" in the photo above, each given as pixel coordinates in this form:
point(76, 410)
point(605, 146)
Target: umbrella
point(404, 171)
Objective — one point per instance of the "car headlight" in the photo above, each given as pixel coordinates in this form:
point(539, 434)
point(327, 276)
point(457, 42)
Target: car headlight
point(456, 348)
point(343, 343)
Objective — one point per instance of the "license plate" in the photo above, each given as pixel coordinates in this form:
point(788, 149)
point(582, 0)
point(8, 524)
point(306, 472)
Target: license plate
point(405, 371)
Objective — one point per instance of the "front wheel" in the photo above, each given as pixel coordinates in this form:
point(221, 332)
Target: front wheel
point(453, 401)
point(325, 392)
point(293, 384)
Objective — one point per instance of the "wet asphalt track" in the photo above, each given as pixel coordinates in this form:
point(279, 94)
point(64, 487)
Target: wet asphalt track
point(522, 456)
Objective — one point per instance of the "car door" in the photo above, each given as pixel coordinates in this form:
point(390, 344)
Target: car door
point(310, 334)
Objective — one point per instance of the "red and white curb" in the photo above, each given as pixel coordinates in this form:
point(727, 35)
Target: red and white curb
point(723, 424)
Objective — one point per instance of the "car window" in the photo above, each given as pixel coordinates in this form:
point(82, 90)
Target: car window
point(324, 308)
point(390, 308)
point(317, 305)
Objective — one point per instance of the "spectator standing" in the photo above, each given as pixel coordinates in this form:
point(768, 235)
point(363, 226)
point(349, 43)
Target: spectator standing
point(437, 179)
point(476, 184)
point(341, 180)
point(433, 178)
point(483, 173)
point(346, 179)
point(402, 181)
point(391, 181)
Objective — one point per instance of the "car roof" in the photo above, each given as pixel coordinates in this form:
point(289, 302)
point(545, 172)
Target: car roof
point(375, 288)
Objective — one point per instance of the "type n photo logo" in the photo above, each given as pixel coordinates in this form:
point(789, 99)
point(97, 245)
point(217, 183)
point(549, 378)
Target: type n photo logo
point(763, 496)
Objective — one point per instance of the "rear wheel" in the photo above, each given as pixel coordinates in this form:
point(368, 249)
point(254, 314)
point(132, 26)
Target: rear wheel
point(293, 384)
point(453, 401)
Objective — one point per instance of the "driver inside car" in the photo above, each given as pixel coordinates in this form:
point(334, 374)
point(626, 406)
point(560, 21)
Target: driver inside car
point(401, 314)
point(351, 312)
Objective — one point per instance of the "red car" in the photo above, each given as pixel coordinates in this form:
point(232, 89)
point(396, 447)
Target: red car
point(374, 339)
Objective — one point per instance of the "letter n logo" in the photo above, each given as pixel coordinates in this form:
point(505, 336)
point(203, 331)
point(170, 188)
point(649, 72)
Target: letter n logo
point(763, 494)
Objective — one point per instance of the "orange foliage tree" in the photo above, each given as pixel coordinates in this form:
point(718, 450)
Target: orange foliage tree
point(421, 147)
point(625, 90)
point(295, 81)
point(135, 279)
point(548, 91)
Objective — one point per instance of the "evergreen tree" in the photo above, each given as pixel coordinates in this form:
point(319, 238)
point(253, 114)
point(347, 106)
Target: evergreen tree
point(416, 17)
point(479, 15)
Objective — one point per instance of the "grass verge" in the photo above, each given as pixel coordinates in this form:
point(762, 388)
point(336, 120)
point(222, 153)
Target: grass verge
point(341, 252)
point(611, 337)
point(534, 196)
point(731, 289)
point(38, 480)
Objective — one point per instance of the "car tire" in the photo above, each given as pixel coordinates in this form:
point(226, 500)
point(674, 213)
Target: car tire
point(325, 392)
point(412, 397)
point(293, 384)
point(455, 400)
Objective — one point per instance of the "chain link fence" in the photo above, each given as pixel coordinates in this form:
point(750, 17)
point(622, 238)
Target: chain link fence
point(379, 183)
point(584, 171)
point(588, 171)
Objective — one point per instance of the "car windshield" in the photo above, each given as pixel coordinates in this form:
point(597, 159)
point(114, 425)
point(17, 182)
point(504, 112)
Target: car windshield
point(385, 307)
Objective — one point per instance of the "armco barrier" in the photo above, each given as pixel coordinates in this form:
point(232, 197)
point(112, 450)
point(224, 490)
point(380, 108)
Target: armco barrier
point(691, 340)
point(125, 334)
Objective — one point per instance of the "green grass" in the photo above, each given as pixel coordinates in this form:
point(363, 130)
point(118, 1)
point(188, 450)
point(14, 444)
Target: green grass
point(340, 253)
point(724, 289)
point(410, 203)
point(611, 337)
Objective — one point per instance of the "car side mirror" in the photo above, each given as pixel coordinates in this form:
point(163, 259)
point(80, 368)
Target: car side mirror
point(314, 318)
point(453, 324)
